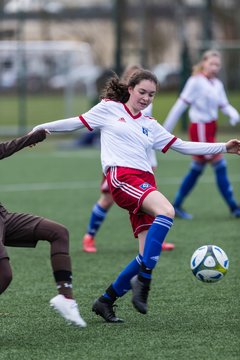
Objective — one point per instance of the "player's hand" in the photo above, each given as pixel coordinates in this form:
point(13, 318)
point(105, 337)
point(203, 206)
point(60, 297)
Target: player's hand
point(233, 121)
point(46, 131)
point(32, 131)
point(233, 146)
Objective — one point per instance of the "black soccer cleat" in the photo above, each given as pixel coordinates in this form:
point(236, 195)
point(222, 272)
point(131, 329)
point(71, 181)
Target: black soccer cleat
point(105, 310)
point(140, 295)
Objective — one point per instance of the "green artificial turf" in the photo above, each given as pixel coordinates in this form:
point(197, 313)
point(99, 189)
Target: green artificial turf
point(187, 319)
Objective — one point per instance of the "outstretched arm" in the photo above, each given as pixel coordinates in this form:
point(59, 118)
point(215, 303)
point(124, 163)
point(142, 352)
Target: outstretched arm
point(200, 148)
point(70, 124)
point(10, 147)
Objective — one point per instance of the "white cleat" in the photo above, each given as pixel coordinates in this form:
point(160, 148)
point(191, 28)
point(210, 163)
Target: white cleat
point(68, 308)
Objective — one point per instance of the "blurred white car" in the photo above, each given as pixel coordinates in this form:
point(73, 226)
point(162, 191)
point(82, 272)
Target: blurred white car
point(14, 6)
point(38, 62)
point(85, 75)
point(168, 75)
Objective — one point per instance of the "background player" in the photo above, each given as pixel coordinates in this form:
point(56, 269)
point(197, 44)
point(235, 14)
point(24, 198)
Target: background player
point(204, 94)
point(24, 230)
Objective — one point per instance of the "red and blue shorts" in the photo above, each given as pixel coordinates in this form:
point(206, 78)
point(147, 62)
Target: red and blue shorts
point(129, 187)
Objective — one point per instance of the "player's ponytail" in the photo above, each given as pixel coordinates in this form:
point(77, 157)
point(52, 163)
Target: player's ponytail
point(115, 90)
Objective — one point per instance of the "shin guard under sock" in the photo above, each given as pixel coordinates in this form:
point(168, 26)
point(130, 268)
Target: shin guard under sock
point(153, 244)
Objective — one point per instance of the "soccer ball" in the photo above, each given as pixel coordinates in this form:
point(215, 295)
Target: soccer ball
point(209, 263)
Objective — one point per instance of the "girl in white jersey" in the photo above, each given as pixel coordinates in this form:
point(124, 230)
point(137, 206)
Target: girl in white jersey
point(204, 94)
point(105, 202)
point(127, 138)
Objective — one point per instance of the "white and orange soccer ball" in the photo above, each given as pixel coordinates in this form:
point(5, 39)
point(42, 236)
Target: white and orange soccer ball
point(209, 263)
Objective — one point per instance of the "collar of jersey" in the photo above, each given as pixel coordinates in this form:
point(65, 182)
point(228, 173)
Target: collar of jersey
point(129, 112)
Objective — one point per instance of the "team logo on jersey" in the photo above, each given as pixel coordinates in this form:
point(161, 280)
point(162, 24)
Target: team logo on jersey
point(121, 119)
point(145, 186)
point(145, 131)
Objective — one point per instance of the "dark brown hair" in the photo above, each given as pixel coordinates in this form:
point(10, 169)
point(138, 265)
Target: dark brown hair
point(117, 90)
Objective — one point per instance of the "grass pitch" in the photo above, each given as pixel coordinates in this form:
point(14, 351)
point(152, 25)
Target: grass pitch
point(187, 319)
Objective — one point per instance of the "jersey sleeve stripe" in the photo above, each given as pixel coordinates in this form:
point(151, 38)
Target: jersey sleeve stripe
point(85, 123)
point(165, 149)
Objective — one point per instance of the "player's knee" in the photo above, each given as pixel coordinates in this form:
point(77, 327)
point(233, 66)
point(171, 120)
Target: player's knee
point(106, 201)
point(169, 211)
point(51, 231)
point(219, 165)
point(166, 210)
point(55, 232)
point(63, 233)
point(197, 167)
point(59, 239)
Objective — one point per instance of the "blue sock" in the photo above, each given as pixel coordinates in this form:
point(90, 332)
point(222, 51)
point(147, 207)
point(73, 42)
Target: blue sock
point(97, 217)
point(224, 186)
point(122, 284)
point(153, 244)
point(188, 182)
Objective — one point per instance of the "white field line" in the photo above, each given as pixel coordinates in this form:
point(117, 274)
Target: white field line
point(82, 185)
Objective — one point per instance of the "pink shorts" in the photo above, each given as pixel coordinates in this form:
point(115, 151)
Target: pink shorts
point(129, 187)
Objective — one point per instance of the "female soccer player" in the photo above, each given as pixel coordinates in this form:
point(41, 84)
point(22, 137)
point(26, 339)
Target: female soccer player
point(24, 230)
point(204, 94)
point(105, 202)
point(127, 138)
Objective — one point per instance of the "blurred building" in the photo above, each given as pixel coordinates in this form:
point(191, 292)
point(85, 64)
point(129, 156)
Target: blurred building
point(149, 32)
point(66, 47)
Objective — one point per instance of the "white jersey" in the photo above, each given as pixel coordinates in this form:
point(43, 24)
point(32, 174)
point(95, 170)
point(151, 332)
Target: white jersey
point(152, 154)
point(126, 140)
point(204, 97)
point(148, 110)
